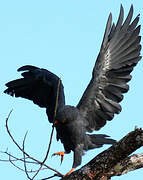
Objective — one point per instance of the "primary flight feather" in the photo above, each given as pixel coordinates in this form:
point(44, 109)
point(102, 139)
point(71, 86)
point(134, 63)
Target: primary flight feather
point(119, 54)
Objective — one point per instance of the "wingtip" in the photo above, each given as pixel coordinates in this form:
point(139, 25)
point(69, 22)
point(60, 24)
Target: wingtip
point(120, 18)
point(131, 9)
point(27, 67)
point(110, 16)
point(121, 8)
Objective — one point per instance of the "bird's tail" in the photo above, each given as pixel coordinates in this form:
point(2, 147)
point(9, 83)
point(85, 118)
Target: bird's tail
point(98, 140)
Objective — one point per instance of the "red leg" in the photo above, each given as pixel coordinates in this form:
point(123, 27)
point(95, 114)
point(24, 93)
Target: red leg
point(69, 172)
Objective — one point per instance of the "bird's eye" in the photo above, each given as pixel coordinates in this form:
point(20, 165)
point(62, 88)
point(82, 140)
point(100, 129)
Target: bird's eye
point(64, 121)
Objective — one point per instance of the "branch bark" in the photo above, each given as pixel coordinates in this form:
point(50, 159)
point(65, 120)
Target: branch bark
point(128, 164)
point(113, 161)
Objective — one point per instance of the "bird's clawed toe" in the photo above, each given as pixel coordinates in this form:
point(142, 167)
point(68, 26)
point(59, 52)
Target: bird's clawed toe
point(59, 154)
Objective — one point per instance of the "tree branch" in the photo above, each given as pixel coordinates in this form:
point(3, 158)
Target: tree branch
point(114, 160)
point(128, 164)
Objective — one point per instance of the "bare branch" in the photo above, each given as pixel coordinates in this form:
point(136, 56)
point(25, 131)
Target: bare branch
point(25, 166)
point(28, 156)
point(16, 158)
point(11, 161)
point(130, 163)
point(19, 159)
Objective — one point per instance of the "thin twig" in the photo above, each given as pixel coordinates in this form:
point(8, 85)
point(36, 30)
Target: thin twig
point(30, 157)
point(25, 165)
point(19, 159)
point(11, 161)
point(16, 159)
point(55, 112)
point(50, 177)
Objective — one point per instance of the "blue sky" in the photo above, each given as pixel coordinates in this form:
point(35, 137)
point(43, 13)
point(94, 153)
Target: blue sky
point(63, 37)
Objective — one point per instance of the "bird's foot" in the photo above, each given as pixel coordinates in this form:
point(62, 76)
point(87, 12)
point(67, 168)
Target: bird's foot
point(60, 154)
point(69, 172)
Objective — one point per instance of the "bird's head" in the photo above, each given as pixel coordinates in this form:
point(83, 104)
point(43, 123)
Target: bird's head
point(67, 114)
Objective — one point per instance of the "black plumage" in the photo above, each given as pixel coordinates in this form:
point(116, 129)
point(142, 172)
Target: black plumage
point(119, 53)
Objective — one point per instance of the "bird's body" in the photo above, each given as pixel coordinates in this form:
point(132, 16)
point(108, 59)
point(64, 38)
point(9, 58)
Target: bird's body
point(119, 53)
point(71, 130)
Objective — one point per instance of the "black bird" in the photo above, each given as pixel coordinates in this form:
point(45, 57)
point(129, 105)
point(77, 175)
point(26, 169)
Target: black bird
point(119, 53)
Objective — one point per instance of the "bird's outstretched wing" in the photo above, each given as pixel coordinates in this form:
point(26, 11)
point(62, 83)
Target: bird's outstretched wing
point(119, 53)
point(38, 85)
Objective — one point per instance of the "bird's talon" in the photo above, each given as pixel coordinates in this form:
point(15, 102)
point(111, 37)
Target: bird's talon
point(59, 154)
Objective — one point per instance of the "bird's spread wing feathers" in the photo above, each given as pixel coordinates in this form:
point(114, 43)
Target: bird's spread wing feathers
point(38, 85)
point(119, 53)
